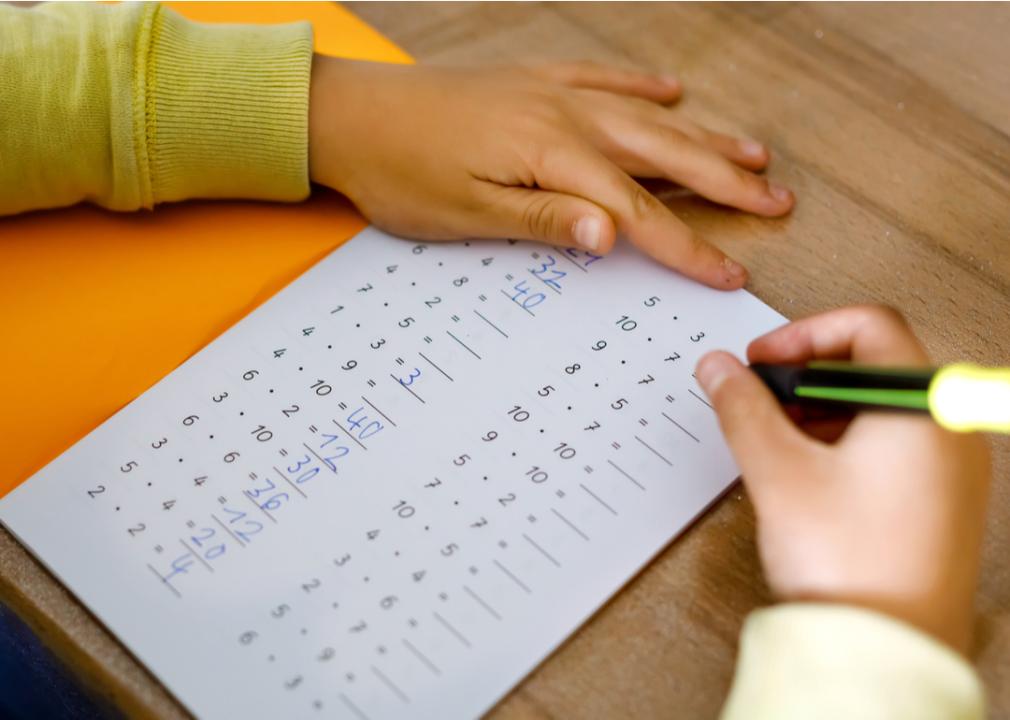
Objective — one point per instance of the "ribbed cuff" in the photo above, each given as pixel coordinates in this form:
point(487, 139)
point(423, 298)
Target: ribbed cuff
point(226, 110)
point(809, 660)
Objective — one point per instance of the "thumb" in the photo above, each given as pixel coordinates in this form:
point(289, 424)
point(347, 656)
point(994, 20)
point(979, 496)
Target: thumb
point(551, 217)
point(760, 434)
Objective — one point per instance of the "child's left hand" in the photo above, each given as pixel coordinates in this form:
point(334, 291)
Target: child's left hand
point(543, 154)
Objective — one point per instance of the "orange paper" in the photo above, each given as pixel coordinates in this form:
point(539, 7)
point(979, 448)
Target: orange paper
point(96, 307)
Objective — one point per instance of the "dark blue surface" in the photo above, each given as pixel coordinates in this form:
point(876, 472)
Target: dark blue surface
point(34, 685)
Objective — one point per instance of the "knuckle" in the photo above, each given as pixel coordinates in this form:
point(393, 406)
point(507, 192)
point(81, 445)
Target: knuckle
point(742, 407)
point(585, 66)
point(535, 147)
point(531, 72)
point(728, 391)
point(692, 129)
point(539, 217)
point(542, 114)
point(570, 72)
point(721, 398)
point(886, 315)
point(748, 182)
point(535, 156)
point(671, 135)
point(694, 243)
point(732, 409)
point(643, 204)
point(552, 71)
point(689, 132)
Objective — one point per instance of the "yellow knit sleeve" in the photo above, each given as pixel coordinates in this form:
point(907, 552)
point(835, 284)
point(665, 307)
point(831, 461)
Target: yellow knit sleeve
point(130, 105)
point(834, 662)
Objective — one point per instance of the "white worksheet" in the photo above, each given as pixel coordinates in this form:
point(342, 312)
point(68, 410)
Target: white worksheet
point(396, 487)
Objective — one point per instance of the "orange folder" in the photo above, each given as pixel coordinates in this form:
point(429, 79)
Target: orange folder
point(96, 307)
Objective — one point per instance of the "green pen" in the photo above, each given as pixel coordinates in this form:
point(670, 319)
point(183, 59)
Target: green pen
point(961, 397)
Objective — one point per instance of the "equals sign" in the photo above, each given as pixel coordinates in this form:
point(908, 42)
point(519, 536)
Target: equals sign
point(284, 453)
point(455, 318)
point(509, 277)
point(399, 361)
point(536, 256)
point(427, 339)
point(159, 548)
point(371, 383)
point(190, 524)
point(588, 468)
point(616, 445)
point(253, 476)
point(221, 499)
point(313, 428)
point(643, 422)
point(669, 398)
point(482, 298)
point(342, 406)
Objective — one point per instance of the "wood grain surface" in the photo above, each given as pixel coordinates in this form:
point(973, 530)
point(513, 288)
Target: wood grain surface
point(891, 122)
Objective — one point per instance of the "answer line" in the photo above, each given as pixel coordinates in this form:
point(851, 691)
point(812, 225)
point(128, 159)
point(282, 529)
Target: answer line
point(390, 684)
point(520, 306)
point(450, 628)
point(680, 426)
point(257, 506)
point(654, 451)
point(517, 581)
point(545, 282)
point(563, 254)
point(421, 656)
point(543, 552)
point(463, 344)
point(700, 398)
point(293, 486)
point(333, 469)
point(227, 530)
point(597, 498)
point(349, 434)
point(621, 470)
point(570, 524)
point(431, 362)
point(504, 334)
point(388, 419)
point(407, 388)
point(164, 582)
point(196, 555)
point(483, 603)
point(352, 707)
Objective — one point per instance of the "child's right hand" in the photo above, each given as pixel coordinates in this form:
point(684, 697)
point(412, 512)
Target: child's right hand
point(885, 512)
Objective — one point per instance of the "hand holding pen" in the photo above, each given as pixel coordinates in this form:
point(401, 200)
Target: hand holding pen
point(884, 510)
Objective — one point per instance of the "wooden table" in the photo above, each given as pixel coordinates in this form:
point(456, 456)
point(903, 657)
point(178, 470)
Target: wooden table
point(892, 124)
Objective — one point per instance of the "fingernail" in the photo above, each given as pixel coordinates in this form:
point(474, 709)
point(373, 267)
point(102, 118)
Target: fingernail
point(751, 148)
point(587, 232)
point(779, 193)
point(671, 80)
point(734, 269)
point(714, 368)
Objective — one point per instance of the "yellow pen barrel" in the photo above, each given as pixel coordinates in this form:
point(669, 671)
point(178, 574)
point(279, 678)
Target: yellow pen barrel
point(968, 398)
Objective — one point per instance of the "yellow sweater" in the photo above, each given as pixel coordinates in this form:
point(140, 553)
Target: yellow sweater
point(127, 106)
point(130, 105)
